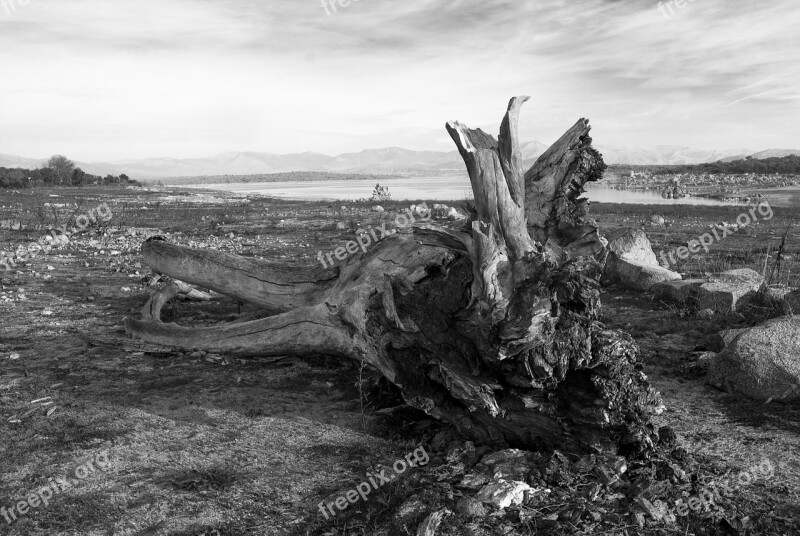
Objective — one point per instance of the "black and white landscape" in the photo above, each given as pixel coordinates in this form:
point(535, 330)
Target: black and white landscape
point(433, 267)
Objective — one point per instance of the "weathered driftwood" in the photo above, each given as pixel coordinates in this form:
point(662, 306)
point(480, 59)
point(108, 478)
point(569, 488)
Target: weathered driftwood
point(493, 328)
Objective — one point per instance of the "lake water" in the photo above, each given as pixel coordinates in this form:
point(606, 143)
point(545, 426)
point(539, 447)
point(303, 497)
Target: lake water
point(435, 188)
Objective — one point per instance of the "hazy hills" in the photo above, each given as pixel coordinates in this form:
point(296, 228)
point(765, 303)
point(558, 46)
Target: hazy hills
point(373, 161)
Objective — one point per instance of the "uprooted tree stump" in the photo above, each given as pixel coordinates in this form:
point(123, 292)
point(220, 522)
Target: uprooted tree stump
point(493, 328)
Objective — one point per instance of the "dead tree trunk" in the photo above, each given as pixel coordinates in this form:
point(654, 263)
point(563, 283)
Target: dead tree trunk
point(494, 328)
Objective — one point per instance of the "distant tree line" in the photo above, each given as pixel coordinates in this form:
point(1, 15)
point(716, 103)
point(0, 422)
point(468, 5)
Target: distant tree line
point(57, 171)
point(787, 165)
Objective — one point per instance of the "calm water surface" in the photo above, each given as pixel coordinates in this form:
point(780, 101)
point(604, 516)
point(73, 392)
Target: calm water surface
point(438, 188)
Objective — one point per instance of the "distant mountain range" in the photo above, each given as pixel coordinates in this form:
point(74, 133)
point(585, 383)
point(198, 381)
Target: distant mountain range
point(387, 160)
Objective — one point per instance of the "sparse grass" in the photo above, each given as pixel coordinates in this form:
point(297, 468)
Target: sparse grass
point(218, 478)
point(747, 248)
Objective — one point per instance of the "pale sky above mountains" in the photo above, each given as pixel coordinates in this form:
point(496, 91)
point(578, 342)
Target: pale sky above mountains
point(116, 79)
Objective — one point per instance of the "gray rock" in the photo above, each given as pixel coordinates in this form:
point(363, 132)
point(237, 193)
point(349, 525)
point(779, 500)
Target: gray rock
point(657, 220)
point(455, 215)
point(762, 362)
point(729, 335)
point(739, 276)
point(631, 245)
point(767, 303)
point(723, 291)
point(378, 208)
point(680, 292)
point(469, 507)
point(638, 276)
point(503, 493)
point(632, 263)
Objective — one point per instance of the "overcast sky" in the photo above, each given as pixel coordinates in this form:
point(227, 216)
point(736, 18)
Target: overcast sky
point(116, 79)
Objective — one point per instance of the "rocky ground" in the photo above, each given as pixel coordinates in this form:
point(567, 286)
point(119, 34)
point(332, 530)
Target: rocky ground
point(205, 444)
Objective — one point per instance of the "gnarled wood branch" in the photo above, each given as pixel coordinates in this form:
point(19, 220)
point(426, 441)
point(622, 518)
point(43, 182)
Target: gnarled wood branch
point(494, 328)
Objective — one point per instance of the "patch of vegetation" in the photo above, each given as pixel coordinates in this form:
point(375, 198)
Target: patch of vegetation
point(783, 165)
point(217, 478)
point(59, 171)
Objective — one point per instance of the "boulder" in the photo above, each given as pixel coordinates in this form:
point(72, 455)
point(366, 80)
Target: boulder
point(637, 276)
point(762, 362)
point(658, 220)
point(723, 291)
point(729, 335)
point(766, 304)
point(378, 208)
point(680, 292)
point(632, 263)
point(631, 245)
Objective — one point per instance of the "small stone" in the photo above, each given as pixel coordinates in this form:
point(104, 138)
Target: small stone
point(503, 493)
point(469, 507)
point(638, 518)
point(474, 481)
point(455, 215)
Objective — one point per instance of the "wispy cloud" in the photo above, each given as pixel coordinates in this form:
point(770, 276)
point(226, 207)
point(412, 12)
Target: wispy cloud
point(117, 79)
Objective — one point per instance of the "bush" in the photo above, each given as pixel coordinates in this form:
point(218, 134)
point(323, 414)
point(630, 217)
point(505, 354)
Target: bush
point(28, 178)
